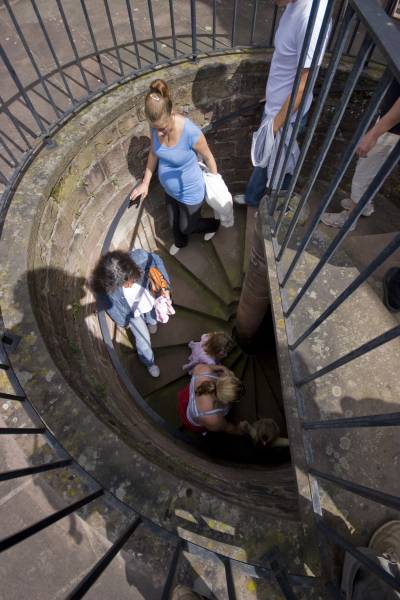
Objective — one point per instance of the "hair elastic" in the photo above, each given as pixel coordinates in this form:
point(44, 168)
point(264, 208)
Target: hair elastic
point(155, 97)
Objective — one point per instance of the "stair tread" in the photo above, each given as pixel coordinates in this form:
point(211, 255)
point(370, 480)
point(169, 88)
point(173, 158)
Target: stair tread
point(189, 292)
point(170, 361)
point(229, 246)
point(165, 400)
point(200, 258)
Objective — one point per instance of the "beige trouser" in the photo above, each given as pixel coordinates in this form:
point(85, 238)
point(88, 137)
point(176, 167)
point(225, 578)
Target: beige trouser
point(368, 167)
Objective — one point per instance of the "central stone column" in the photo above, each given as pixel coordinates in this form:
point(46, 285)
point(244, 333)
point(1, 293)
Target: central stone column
point(254, 299)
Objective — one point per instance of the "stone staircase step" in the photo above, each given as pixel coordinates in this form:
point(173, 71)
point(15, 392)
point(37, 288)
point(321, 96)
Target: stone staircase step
point(201, 259)
point(170, 360)
point(189, 292)
point(233, 357)
point(165, 400)
point(186, 325)
point(229, 246)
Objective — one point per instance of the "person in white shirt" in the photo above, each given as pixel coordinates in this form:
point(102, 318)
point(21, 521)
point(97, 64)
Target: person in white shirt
point(288, 43)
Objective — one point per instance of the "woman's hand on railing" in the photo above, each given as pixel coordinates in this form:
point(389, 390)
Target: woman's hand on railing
point(141, 190)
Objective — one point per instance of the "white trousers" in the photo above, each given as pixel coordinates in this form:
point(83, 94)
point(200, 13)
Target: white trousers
point(368, 167)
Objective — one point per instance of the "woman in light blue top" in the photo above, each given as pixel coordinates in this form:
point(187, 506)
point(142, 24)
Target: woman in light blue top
point(175, 142)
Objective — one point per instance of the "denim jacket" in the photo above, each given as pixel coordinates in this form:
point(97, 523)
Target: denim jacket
point(115, 304)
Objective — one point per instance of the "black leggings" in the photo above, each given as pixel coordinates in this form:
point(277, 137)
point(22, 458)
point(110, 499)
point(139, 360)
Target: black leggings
point(185, 219)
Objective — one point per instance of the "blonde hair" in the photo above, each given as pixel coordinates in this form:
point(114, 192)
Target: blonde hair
point(158, 102)
point(228, 388)
point(218, 344)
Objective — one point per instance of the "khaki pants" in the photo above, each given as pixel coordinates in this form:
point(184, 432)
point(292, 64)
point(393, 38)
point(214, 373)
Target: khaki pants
point(368, 167)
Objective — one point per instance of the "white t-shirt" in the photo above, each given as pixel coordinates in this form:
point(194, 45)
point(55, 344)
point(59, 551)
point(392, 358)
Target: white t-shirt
point(137, 292)
point(288, 43)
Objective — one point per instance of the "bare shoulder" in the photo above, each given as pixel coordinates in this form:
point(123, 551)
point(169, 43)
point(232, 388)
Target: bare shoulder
point(200, 369)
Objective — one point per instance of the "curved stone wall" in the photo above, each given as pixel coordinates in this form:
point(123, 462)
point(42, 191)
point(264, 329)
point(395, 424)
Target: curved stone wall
point(64, 206)
point(52, 237)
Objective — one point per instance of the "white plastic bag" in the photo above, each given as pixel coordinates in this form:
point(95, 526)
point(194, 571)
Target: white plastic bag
point(218, 197)
point(262, 143)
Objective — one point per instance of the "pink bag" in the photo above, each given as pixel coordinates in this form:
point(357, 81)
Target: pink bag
point(164, 309)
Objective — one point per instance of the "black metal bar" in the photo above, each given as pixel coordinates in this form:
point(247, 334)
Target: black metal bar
point(336, 538)
point(214, 24)
point(230, 585)
point(114, 37)
point(344, 163)
point(234, 19)
point(312, 76)
point(166, 593)
point(21, 89)
point(172, 19)
point(11, 155)
point(360, 490)
point(16, 538)
point(339, 15)
point(73, 46)
point(53, 53)
point(25, 44)
point(253, 22)
point(12, 396)
point(133, 30)
point(363, 276)
point(193, 19)
point(272, 34)
point(331, 72)
point(381, 29)
point(368, 195)
point(4, 134)
point(353, 35)
point(379, 340)
point(293, 95)
point(21, 430)
point(280, 574)
point(16, 473)
point(18, 126)
point(385, 420)
point(153, 30)
point(93, 40)
point(90, 579)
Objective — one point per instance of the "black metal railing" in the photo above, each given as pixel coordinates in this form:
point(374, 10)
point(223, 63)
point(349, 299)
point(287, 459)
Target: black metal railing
point(289, 244)
point(270, 568)
point(35, 105)
point(39, 99)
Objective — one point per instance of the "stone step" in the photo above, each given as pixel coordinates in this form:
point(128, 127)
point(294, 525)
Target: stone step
point(165, 400)
point(229, 246)
point(189, 292)
point(169, 359)
point(201, 259)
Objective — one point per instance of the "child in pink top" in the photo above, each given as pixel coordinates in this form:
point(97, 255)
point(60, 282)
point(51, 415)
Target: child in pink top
point(210, 350)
